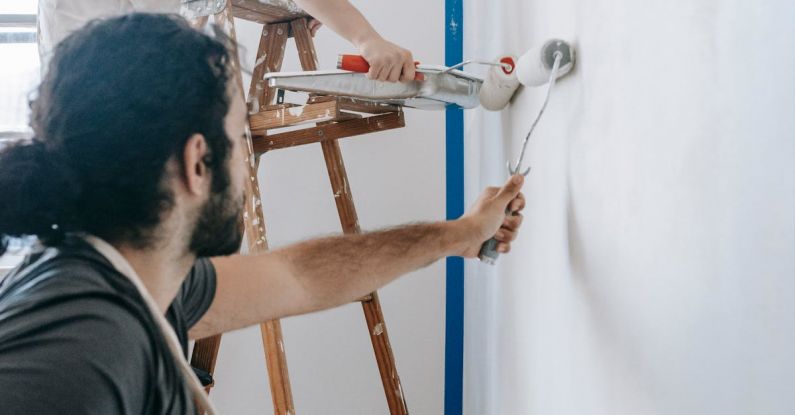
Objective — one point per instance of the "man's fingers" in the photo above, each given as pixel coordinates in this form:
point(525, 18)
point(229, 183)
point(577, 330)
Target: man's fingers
point(503, 247)
point(505, 235)
point(511, 189)
point(517, 204)
point(512, 222)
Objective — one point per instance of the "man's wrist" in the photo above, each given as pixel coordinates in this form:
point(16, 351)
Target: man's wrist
point(458, 236)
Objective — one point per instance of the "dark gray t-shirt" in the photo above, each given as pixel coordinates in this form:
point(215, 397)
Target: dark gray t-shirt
point(77, 338)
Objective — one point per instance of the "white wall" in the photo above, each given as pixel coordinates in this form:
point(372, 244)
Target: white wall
point(656, 271)
point(396, 177)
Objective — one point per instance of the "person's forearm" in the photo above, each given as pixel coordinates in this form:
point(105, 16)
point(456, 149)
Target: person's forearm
point(341, 17)
point(337, 270)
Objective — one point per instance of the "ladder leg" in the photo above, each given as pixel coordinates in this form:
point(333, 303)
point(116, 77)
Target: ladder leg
point(270, 55)
point(303, 42)
point(372, 307)
point(255, 232)
point(205, 351)
point(278, 376)
point(383, 355)
point(205, 354)
point(350, 224)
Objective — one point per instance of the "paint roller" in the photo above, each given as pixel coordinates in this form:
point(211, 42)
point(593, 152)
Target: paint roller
point(531, 69)
point(535, 68)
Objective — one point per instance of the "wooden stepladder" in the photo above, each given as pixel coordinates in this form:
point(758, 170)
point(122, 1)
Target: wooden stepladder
point(326, 119)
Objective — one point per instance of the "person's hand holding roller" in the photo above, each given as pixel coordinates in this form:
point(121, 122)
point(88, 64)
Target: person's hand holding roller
point(488, 219)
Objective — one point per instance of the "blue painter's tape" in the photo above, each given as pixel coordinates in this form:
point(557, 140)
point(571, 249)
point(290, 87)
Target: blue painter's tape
point(454, 306)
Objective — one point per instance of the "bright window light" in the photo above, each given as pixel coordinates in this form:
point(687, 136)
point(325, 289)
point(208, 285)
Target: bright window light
point(19, 75)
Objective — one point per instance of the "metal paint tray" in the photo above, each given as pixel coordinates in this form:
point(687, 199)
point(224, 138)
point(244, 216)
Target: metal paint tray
point(439, 89)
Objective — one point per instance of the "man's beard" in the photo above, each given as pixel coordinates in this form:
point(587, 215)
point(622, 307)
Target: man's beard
point(219, 228)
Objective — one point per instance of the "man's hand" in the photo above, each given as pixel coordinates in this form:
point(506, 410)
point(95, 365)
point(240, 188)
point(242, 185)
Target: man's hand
point(388, 61)
point(488, 218)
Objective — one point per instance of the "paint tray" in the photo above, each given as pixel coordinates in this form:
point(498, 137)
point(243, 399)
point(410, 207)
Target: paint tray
point(440, 89)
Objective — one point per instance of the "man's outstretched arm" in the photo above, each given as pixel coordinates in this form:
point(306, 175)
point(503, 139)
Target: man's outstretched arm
point(327, 272)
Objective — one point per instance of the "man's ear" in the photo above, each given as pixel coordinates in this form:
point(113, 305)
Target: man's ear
point(195, 171)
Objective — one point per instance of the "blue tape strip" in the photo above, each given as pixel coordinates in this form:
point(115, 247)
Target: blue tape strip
point(454, 306)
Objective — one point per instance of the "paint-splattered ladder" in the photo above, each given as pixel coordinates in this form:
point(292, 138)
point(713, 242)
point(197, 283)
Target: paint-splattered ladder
point(330, 118)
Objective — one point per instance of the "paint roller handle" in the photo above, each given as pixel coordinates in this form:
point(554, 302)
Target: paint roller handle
point(488, 251)
point(357, 63)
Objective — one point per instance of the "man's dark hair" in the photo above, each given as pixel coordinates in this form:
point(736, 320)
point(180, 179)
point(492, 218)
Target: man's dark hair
point(121, 98)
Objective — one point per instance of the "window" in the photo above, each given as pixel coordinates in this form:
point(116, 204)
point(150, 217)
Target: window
point(19, 75)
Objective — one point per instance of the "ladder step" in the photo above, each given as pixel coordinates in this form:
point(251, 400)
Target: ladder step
point(351, 104)
point(333, 131)
point(289, 116)
point(257, 11)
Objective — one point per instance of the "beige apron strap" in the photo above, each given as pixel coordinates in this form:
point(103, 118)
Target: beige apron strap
point(124, 267)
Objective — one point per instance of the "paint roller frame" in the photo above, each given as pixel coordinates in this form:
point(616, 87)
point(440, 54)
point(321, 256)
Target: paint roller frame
point(566, 60)
point(534, 66)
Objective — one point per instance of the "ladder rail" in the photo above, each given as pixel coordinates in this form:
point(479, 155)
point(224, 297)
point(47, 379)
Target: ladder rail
point(206, 350)
point(350, 225)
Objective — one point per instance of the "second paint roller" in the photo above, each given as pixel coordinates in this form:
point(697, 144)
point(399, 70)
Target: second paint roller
point(530, 69)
